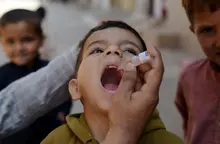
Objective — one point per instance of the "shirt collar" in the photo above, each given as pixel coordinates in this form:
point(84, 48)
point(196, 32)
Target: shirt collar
point(81, 129)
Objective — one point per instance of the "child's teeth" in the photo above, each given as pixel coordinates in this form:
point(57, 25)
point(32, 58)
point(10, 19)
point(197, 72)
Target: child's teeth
point(111, 66)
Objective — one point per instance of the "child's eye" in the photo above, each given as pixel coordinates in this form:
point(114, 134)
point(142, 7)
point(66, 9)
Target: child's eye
point(10, 41)
point(207, 30)
point(97, 50)
point(131, 50)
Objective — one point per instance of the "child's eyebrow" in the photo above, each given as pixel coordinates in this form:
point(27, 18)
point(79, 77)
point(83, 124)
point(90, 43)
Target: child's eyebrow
point(130, 42)
point(98, 42)
point(120, 43)
point(205, 26)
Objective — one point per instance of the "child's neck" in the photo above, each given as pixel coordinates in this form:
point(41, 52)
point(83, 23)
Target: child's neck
point(98, 124)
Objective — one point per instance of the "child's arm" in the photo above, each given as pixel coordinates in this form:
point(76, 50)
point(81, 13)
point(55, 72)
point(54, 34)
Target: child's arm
point(180, 102)
point(25, 100)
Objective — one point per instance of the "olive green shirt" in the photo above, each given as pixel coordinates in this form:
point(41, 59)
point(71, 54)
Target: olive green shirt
point(76, 131)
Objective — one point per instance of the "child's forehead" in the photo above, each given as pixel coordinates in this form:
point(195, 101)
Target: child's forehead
point(112, 36)
point(207, 17)
point(19, 24)
point(193, 7)
point(17, 28)
point(201, 5)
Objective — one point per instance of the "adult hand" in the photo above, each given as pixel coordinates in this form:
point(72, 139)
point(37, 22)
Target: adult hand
point(136, 98)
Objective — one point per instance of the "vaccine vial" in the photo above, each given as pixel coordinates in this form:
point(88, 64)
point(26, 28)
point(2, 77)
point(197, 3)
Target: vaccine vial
point(135, 61)
point(140, 59)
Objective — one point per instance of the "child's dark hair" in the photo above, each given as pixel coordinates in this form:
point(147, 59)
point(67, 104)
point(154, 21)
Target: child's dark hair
point(193, 6)
point(18, 15)
point(102, 26)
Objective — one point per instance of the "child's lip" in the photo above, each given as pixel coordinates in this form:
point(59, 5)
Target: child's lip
point(109, 91)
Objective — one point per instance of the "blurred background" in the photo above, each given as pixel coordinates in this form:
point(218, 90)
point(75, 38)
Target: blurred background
point(161, 22)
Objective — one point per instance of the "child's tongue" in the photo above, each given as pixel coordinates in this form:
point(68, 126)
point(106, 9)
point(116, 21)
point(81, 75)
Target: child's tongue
point(111, 79)
point(111, 87)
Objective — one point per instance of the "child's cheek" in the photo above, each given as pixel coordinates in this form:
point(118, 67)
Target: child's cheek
point(32, 47)
point(206, 42)
point(127, 57)
point(8, 51)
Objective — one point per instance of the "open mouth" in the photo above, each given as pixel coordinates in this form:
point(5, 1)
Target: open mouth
point(111, 78)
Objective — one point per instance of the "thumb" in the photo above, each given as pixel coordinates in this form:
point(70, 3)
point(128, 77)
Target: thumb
point(127, 84)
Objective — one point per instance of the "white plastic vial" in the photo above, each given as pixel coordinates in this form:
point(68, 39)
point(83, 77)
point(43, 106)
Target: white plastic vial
point(140, 59)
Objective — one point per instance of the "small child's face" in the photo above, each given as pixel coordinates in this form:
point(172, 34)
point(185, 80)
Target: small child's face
point(206, 26)
point(20, 42)
point(98, 77)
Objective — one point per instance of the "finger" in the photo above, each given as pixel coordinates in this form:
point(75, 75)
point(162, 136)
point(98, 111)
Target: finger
point(143, 69)
point(155, 75)
point(153, 81)
point(156, 58)
point(139, 83)
point(156, 61)
point(127, 84)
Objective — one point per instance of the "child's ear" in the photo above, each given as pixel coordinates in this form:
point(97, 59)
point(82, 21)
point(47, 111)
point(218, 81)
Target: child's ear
point(42, 41)
point(73, 89)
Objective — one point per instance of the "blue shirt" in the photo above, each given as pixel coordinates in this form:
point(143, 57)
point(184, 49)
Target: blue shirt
point(32, 96)
point(38, 130)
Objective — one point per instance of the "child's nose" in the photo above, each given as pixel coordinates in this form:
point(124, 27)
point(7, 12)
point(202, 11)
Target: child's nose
point(113, 50)
point(19, 47)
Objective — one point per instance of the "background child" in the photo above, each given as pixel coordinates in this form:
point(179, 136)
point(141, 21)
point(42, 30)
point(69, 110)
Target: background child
point(21, 37)
point(102, 51)
point(198, 92)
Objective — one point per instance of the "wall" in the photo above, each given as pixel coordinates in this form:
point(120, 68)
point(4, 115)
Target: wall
point(177, 23)
point(3, 58)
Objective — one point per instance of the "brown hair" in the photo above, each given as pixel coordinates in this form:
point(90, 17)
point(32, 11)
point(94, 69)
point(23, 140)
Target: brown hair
point(18, 15)
point(102, 26)
point(193, 6)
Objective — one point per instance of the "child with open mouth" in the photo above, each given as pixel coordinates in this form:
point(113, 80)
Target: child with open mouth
point(119, 103)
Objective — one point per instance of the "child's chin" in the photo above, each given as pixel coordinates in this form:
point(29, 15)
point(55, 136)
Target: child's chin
point(20, 63)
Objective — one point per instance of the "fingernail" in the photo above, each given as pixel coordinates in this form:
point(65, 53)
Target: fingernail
point(150, 54)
